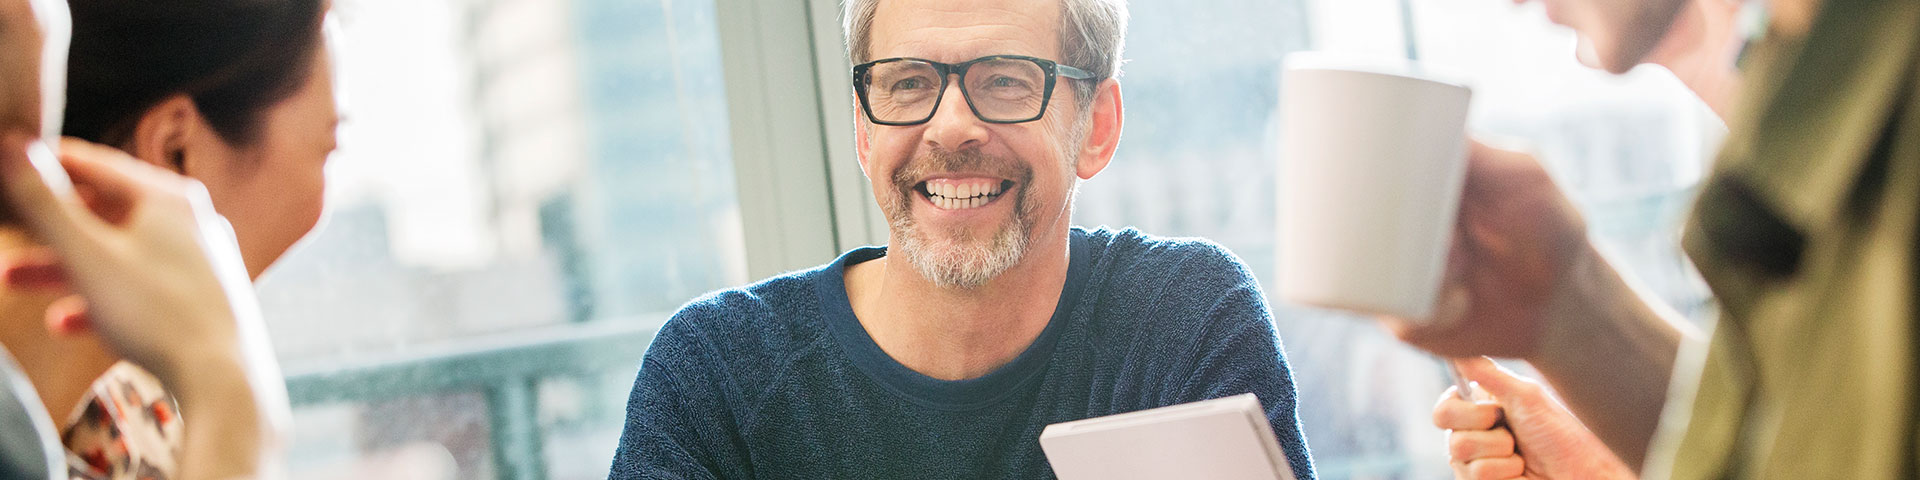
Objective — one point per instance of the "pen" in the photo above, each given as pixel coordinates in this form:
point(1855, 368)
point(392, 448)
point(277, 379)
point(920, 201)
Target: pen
point(1464, 388)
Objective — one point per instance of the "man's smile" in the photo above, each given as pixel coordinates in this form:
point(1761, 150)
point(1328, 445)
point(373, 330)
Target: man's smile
point(962, 193)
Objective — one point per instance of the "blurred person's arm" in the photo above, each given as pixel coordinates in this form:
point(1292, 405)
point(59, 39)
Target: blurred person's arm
point(1523, 281)
point(164, 287)
point(1521, 431)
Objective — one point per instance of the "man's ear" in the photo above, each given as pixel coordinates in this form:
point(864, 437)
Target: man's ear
point(861, 128)
point(162, 134)
point(1103, 130)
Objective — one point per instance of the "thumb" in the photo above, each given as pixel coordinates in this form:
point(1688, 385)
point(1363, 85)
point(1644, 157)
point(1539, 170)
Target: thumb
point(1493, 378)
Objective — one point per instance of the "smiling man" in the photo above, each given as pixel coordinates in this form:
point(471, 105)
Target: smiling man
point(989, 316)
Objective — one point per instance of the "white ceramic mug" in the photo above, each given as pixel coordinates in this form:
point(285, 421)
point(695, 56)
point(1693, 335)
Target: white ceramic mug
point(1372, 160)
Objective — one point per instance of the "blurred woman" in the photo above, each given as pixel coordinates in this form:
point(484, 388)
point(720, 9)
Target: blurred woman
point(236, 94)
point(1700, 50)
point(1806, 232)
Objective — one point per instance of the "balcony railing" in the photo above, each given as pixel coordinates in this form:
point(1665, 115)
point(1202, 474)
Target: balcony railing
point(507, 368)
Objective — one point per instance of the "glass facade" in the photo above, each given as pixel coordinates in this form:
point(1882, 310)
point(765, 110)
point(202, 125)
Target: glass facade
point(518, 177)
point(527, 187)
point(1200, 152)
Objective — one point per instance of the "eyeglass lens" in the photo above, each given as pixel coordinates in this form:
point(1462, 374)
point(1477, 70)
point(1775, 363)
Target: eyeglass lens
point(1000, 90)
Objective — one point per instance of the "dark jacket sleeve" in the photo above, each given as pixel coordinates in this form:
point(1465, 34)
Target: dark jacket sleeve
point(28, 447)
point(1240, 353)
point(678, 424)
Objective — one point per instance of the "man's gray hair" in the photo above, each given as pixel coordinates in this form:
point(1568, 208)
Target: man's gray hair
point(1092, 35)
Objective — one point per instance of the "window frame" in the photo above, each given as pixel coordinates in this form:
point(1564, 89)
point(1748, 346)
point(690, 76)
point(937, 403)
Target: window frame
point(790, 108)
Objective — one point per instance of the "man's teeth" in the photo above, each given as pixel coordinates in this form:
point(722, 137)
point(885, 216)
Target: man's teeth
point(955, 196)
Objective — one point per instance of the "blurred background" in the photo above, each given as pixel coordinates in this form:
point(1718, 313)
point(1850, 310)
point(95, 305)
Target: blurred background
point(527, 188)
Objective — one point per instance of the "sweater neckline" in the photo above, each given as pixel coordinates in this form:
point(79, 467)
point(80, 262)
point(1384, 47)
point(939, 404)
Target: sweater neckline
point(967, 394)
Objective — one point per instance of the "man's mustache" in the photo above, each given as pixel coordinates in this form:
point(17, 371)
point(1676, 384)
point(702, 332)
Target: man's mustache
point(938, 161)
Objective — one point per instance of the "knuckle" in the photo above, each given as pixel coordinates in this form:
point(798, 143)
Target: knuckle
point(1461, 448)
point(1443, 415)
point(1526, 386)
point(1451, 421)
point(1476, 444)
point(1477, 419)
point(1465, 417)
point(1496, 468)
point(1478, 471)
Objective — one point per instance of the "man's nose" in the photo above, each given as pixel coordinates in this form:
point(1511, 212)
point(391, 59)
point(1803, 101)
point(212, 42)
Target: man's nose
point(954, 126)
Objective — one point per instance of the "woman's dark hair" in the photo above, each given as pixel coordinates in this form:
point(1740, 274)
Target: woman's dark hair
point(234, 58)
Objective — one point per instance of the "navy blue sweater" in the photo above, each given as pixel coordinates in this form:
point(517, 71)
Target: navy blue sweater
point(779, 380)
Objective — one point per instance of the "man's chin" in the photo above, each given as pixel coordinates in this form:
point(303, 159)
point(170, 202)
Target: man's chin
point(964, 260)
point(1583, 51)
point(1616, 59)
point(954, 269)
point(1625, 40)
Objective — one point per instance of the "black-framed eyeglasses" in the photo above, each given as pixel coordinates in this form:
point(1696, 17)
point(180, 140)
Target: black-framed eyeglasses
point(999, 88)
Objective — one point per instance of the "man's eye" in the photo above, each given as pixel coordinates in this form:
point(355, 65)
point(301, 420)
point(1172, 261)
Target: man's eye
point(909, 84)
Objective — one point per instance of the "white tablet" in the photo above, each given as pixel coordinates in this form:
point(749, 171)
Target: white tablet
point(1224, 439)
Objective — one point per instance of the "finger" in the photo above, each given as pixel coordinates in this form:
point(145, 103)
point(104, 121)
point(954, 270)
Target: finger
point(110, 186)
point(1476, 147)
point(1433, 334)
point(68, 316)
point(1452, 413)
point(35, 268)
point(115, 161)
point(1456, 298)
point(75, 147)
point(1480, 162)
point(1438, 333)
point(1470, 445)
point(112, 209)
point(1489, 239)
point(1496, 380)
point(39, 191)
point(1500, 468)
point(1493, 157)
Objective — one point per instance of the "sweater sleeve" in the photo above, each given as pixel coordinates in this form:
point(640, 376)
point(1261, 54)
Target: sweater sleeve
point(678, 423)
point(1239, 352)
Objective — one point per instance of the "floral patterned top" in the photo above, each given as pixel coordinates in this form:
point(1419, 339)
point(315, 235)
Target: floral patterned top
point(126, 428)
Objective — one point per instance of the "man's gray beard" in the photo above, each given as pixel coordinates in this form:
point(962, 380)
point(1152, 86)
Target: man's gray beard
point(955, 262)
point(961, 260)
point(959, 264)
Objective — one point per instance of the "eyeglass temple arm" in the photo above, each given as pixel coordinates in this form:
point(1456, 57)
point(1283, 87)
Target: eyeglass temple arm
point(1072, 72)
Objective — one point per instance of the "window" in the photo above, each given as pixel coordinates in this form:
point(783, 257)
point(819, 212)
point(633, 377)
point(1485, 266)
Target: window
point(525, 189)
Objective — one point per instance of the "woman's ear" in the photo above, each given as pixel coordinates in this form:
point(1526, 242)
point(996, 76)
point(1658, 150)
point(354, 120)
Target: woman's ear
point(161, 136)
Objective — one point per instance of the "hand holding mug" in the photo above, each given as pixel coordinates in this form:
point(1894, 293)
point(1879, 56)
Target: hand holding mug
point(1515, 243)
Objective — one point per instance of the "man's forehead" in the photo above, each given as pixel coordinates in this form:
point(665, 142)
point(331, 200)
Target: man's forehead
point(958, 30)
